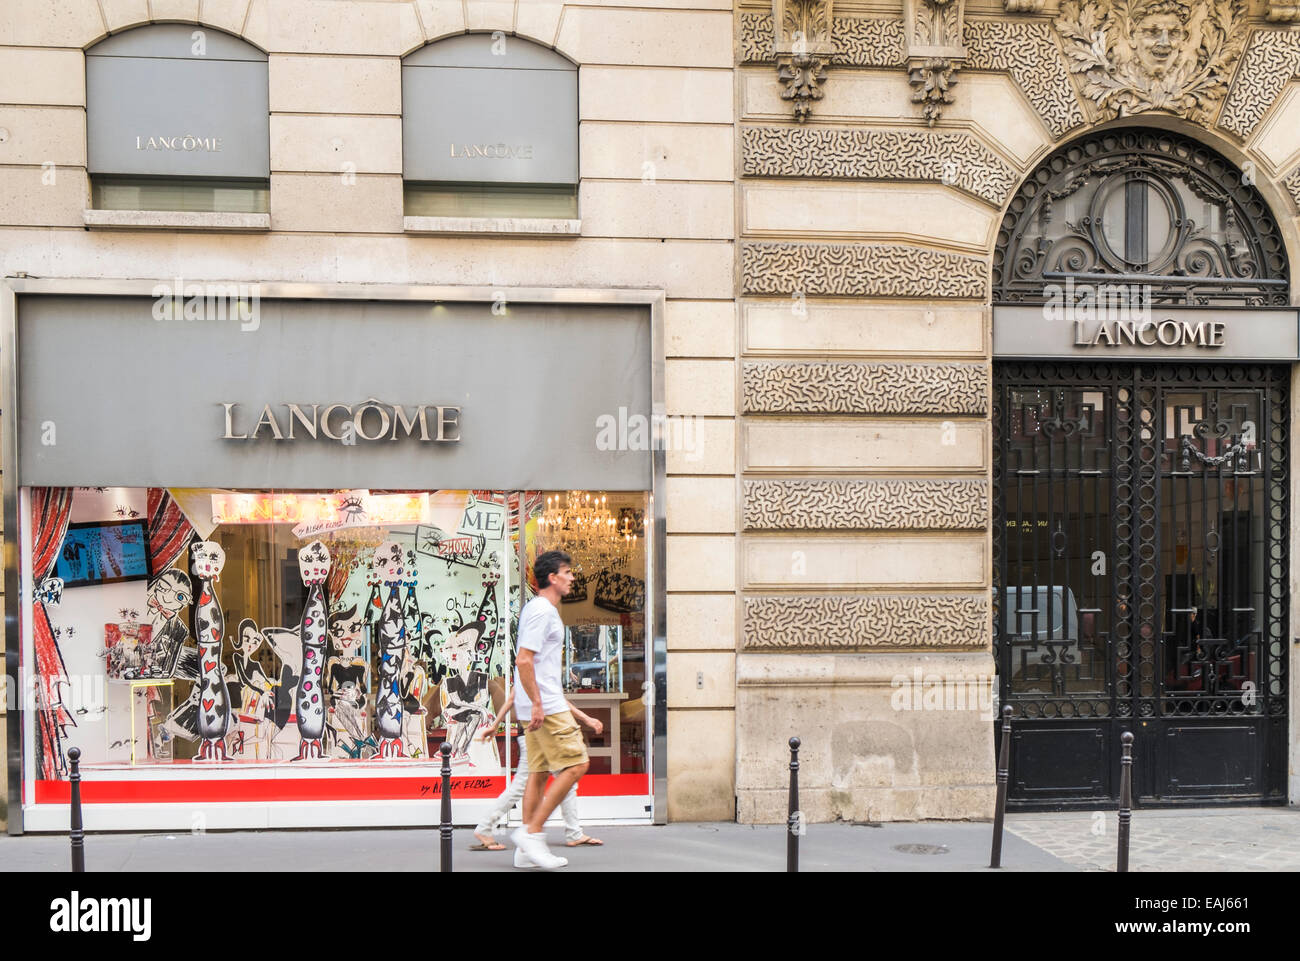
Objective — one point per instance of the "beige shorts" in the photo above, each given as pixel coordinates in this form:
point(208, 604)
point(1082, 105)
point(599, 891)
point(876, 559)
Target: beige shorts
point(556, 745)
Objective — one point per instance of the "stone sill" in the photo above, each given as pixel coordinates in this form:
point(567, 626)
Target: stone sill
point(176, 220)
point(493, 226)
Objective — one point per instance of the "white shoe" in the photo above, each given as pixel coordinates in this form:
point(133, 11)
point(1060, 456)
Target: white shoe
point(535, 850)
point(521, 859)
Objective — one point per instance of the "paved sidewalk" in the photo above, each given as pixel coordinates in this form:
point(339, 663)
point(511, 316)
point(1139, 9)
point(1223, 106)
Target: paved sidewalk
point(1227, 839)
point(1235, 839)
point(962, 846)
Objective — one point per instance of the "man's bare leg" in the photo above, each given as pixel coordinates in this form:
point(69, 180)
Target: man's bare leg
point(548, 802)
point(533, 792)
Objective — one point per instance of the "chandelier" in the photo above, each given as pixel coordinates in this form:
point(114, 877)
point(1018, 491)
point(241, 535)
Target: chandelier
point(583, 526)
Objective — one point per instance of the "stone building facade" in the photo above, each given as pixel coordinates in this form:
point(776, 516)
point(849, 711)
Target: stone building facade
point(881, 148)
point(820, 190)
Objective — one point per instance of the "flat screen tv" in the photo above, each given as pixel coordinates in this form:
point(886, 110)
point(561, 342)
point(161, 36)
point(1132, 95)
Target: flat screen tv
point(104, 552)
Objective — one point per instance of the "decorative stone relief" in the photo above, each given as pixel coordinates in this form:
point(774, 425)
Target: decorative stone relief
point(802, 43)
point(857, 41)
point(858, 622)
point(866, 505)
point(861, 388)
point(934, 45)
point(958, 159)
point(1027, 52)
point(1024, 6)
point(1283, 12)
point(860, 270)
point(1292, 184)
point(1139, 55)
point(1271, 61)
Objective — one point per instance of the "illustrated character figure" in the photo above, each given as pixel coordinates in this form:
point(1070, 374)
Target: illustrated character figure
point(206, 561)
point(464, 693)
point(388, 570)
point(347, 678)
point(167, 655)
point(253, 723)
point(314, 568)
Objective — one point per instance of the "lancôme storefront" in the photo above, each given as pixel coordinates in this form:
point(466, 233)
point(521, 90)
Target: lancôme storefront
point(266, 546)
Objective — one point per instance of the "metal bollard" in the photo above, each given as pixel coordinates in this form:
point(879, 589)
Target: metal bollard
point(794, 821)
point(444, 827)
point(75, 832)
point(1004, 765)
point(1125, 800)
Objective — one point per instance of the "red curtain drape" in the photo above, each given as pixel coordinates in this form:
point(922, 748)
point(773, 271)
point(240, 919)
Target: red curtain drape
point(170, 531)
point(51, 508)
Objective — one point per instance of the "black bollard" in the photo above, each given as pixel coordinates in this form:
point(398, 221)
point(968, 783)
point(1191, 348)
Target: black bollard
point(444, 828)
point(794, 822)
point(1004, 765)
point(1125, 801)
point(75, 832)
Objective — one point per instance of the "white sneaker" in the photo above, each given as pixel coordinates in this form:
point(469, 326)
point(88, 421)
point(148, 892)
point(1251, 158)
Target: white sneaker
point(521, 859)
point(535, 850)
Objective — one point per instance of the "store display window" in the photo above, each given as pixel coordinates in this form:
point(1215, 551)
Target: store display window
point(214, 627)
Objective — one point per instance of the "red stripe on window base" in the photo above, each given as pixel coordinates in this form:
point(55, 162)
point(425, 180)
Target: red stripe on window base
point(311, 789)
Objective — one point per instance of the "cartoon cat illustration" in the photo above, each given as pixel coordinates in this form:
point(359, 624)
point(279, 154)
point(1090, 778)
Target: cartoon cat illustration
point(206, 561)
point(389, 570)
point(313, 567)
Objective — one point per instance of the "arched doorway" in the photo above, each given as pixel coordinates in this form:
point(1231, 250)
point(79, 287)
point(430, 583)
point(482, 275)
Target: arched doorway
point(1142, 342)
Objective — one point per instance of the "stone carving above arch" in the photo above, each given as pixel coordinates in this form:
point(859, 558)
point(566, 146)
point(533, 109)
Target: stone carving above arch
point(933, 30)
point(866, 622)
point(1132, 56)
point(803, 46)
point(1027, 52)
point(860, 270)
point(857, 41)
point(858, 388)
point(956, 159)
point(1292, 185)
point(853, 505)
point(1271, 61)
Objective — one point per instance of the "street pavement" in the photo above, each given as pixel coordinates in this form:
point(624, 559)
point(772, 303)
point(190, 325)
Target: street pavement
point(1238, 839)
point(957, 846)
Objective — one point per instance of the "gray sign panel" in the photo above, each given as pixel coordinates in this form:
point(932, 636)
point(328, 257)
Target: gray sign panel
point(1186, 334)
point(153, 108)
point(471, 117)
point(108, 395)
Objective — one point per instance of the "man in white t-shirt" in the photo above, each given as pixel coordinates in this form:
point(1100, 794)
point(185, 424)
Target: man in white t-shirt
point(552, 737)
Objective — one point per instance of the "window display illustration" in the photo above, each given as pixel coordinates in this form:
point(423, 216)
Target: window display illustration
point(266, 628)
point(124, 644)
point(313, 567)
point(389, 573)
point(210, 629)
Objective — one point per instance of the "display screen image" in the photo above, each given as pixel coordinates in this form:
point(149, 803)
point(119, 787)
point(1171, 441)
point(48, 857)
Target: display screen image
point(103, 553)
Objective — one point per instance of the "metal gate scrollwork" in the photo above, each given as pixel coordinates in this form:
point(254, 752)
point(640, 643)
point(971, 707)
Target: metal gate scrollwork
point(1140, 572)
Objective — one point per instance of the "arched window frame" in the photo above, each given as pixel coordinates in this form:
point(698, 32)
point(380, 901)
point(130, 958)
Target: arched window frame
point(454, 182)
point(1242, 263)
point(162, 61)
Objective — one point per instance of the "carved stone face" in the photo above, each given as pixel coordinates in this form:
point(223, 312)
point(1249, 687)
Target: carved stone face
point(389, 562)
point(1159, 36)
point(313, 563)
point(208, 559)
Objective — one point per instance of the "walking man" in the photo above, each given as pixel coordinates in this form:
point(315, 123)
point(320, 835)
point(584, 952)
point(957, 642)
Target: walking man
point(552, 737)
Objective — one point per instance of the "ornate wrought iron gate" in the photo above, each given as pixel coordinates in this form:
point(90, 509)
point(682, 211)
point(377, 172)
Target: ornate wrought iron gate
point(1140, 557)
